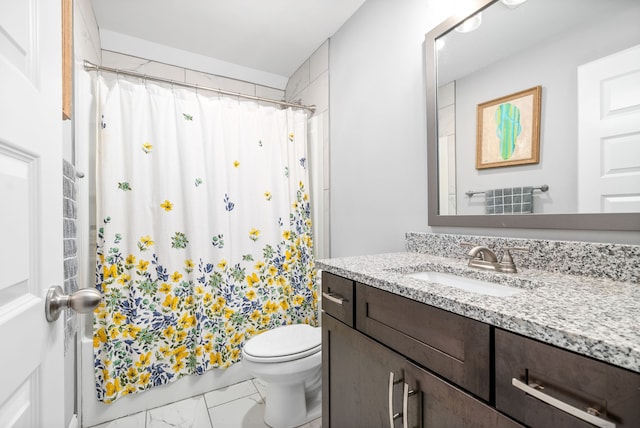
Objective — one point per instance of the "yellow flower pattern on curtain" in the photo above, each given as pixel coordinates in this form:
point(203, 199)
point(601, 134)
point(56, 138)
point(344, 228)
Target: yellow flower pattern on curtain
point(205, 234)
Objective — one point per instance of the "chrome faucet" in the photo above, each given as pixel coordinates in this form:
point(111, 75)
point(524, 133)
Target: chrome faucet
point(482, 257)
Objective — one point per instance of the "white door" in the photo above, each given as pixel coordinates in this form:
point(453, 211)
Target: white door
point(31, 350)
point(609, 133)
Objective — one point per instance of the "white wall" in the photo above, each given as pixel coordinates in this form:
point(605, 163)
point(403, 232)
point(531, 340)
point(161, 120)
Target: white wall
point(378, 125)
point(378, 133)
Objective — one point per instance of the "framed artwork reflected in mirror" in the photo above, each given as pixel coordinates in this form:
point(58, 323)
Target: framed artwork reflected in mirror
point(509, 130)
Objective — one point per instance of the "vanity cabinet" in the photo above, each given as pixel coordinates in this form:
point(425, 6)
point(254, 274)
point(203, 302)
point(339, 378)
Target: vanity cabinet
point(396, 362)
point(541, 385)
point(453, 346)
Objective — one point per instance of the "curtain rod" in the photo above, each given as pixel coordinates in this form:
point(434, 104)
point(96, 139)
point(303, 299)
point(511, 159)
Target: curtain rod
point(89, 66)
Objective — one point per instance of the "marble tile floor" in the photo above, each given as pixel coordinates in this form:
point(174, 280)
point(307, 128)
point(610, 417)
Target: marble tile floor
point(237, 406)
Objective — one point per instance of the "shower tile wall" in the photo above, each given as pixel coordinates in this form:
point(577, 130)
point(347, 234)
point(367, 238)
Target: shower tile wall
point(310, 82)
point(310, 85)
point(86, 35)
point(70, 284)
point(70, 233)
point(180, 74)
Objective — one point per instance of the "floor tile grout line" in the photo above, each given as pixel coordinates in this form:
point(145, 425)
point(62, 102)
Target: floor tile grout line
point(263, 397)
point(256, 391)
point(208, 412)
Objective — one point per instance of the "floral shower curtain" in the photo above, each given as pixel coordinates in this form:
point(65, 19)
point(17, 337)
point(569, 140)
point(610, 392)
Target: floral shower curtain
point(204, 234)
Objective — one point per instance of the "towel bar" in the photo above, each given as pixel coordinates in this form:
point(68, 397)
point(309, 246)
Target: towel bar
point(542, 188)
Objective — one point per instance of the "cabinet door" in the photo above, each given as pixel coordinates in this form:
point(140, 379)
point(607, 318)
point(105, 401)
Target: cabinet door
point(437, 403)
point(542, 386)
point(356, 379)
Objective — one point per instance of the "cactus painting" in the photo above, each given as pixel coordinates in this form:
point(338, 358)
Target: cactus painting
point(509, 130)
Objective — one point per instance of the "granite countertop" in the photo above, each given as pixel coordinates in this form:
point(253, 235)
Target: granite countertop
point(599, 318)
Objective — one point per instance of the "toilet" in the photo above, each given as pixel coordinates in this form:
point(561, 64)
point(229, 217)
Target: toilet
point(288, 360)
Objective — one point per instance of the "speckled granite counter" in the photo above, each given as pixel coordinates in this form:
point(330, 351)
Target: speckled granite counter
point(599, 318)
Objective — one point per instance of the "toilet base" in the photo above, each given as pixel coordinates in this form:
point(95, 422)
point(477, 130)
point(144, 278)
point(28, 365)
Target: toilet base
point(288, 406)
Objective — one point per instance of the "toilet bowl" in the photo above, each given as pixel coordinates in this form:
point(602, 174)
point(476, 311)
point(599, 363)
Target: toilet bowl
point(288, 360)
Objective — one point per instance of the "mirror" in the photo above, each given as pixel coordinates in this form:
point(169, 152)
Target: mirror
point(583, 56)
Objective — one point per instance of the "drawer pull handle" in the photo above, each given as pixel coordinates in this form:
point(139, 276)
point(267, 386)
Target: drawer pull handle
point(333, 297)
point(561, 405)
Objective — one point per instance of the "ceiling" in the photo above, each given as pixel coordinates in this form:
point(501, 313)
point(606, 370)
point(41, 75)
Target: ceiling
point(274, 36)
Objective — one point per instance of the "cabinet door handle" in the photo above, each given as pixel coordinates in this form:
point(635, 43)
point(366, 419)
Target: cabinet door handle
point(392, 416)
point(561, 405)
point(333, 297)
point(406, 393)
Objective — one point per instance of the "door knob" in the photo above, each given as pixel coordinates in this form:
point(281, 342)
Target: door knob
point(82, 301)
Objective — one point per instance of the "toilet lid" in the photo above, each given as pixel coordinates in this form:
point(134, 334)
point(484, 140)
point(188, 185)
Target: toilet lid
point(284, 343)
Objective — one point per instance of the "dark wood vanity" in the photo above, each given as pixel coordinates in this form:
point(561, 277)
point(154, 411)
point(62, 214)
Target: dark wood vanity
point(389, 361)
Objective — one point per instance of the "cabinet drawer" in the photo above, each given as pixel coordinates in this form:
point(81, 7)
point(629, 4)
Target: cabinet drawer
point(610, 392)
point(337, 297)
point(450, 345)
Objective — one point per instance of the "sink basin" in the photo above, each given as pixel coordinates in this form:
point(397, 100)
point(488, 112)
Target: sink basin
point(467, 284)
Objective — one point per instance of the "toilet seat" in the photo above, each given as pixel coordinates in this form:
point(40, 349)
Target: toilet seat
point(285, 343)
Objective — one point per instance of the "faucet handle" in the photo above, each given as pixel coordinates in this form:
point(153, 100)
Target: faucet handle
point(466, 244)
point(472, 246)
point(507, 261)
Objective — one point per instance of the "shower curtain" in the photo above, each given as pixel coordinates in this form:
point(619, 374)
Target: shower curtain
point(204, 234)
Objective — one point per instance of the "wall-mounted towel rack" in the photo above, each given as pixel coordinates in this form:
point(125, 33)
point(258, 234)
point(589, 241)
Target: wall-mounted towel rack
point(542, 188)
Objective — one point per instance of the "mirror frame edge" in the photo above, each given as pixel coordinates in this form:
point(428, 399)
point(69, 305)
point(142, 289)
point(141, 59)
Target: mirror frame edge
point(576, 221)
